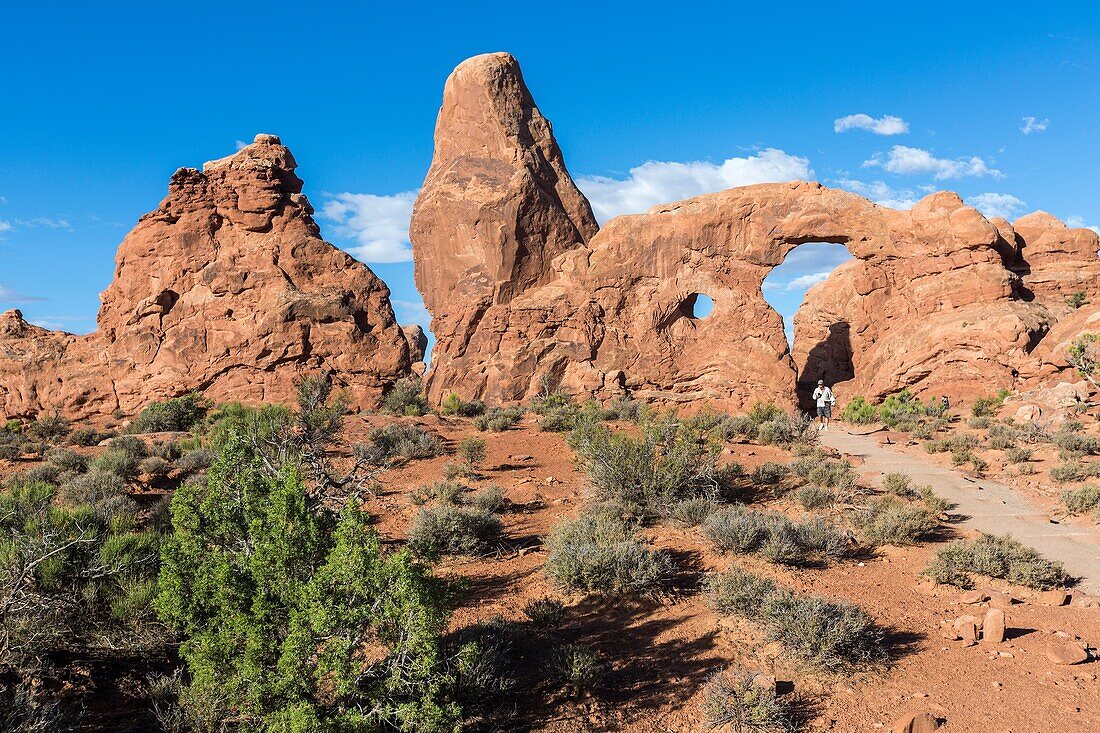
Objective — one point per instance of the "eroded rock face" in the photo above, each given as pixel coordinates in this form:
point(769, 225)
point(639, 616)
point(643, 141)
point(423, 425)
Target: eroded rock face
point(43, 369)
point(928, 302)
point(418, 346)
point(940, 314)
point(1055, 261)
point(1050, 356)
point(497, 207)
point(971, 349)
point(228, 288)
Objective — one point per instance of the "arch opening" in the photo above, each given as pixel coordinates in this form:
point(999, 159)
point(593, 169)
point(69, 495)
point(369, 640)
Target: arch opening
point(822, 348)
point(698, 306)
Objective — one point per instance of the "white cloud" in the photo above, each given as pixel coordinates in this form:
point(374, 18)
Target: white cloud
point(1033, 124)
point(1078, 221)
point(380, 224)
point(803, 282)
point(904, 160)
point(44, 222)
point(1004, 205)
point(807, 281)
point(69, 324)
point(5, 226)
point(885, 125)
point(882, 193)
point(659, 182)
point(7, 295)
point(412, 311)
point(241, 144)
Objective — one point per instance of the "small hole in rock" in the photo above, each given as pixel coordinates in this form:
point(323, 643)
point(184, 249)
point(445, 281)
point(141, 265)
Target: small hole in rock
point(698, 305)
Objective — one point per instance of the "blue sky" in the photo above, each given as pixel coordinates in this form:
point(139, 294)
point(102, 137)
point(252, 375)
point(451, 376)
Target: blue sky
point(103, 101)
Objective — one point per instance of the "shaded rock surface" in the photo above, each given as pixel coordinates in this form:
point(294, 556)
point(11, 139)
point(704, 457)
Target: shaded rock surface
point(1055, 261)
point(226, 288)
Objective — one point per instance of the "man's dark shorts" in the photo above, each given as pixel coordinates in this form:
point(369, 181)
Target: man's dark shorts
point(825, 410)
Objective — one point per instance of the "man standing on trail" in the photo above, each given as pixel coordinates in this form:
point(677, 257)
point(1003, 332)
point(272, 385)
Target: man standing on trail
point(823, 396)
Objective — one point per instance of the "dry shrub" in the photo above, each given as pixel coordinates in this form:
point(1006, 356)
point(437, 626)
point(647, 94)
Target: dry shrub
point(888, 521)
point(599, 552)
point(995, 556)
point(451, 530)
point(832, 635)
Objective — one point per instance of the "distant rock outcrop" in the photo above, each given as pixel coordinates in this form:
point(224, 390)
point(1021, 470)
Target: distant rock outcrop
point(929, 302)
point(226, 288)
point(42, 369)
point(1054, 261)
point(418, 346)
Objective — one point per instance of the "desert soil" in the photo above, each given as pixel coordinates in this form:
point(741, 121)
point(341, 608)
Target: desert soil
point(662, 651)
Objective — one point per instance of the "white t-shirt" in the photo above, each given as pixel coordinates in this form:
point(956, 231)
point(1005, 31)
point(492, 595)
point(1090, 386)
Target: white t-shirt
point(824, 396)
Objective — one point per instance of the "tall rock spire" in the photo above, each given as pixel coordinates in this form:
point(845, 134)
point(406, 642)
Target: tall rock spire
point(497, 206)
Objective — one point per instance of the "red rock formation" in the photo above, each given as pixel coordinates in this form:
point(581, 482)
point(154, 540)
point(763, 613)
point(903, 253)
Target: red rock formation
point(1050, 355)
point(43, 369)
point(418, 346)
point(497, 207)
point(227, 288)
point(1055, 261)
point(973, 350)
point(941, 315)
point(929, 301)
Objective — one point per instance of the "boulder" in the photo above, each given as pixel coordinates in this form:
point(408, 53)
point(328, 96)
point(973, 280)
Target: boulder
point(1084, 600)
point(1067, 651)
point(967, 628)
point(918, 722)
point(973, 597)
point(1056, 597)
point(993, 626)
point(997, 599)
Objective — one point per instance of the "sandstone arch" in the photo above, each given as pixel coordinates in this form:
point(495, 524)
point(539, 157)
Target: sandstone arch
point(930, 301)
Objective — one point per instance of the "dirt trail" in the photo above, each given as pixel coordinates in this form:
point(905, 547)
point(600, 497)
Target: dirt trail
point(987, 505)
